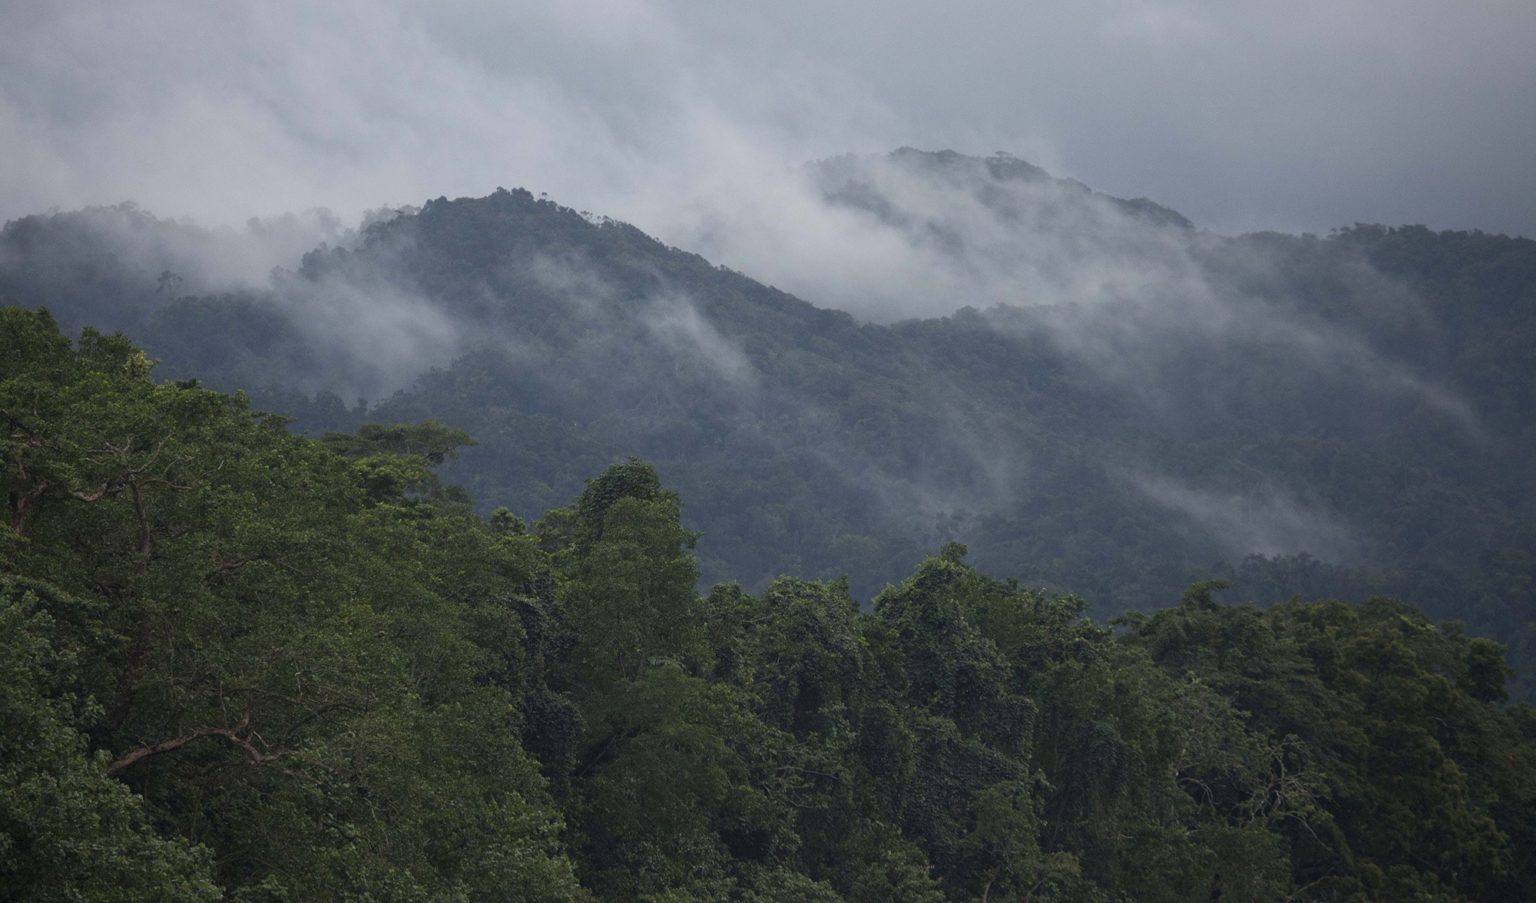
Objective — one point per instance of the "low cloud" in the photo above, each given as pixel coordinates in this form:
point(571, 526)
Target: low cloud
point(1266, 519)
point(371, 339)
point(678, 325)
point(1243, 117)
point(199, 259)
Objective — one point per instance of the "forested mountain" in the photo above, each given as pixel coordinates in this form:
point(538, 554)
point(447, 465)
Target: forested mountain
point(239, 664)
point(1097, 396)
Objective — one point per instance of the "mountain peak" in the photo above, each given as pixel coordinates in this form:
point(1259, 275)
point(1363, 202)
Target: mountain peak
point(850, 179)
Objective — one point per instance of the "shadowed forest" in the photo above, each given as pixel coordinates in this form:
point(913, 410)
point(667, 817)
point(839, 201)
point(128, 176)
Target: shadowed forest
point(1115, 560)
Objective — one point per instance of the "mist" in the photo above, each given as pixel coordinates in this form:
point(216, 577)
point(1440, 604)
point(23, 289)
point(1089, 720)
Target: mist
point(1127, 293)
point(658, 112)
point(761, 139)
point(197, 258)
point(1254, 518)
point(697, 127)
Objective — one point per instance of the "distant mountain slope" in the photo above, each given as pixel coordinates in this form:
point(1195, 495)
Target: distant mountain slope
point(1014, 188)
point(1153, 405)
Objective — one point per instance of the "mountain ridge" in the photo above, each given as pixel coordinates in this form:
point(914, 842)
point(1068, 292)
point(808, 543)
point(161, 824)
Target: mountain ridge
point(1202, 398)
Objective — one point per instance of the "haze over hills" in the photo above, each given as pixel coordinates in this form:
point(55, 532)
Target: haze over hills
point(740, 510)
point(834, 641)
point(1090, 392)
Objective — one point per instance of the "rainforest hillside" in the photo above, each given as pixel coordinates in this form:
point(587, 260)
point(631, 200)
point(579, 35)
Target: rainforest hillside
point(240, 664)
point(1090, 393)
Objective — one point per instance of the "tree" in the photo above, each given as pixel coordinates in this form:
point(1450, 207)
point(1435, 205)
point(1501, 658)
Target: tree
point(59, 808)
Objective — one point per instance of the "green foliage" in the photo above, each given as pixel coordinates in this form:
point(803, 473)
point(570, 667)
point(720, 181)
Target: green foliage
point(1392, 717)
point(429, 440)
point(1378, 378)
point(630, 595)
point(236, 664)
point(68, 831)
point(275, 651)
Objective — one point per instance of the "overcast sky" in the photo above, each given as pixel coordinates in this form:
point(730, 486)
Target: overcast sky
point(1298, 116)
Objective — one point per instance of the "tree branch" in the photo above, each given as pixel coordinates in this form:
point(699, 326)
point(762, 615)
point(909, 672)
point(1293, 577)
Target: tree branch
point(239, 736)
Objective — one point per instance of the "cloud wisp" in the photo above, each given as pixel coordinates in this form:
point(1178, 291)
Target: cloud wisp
point(1241, 116)
point(1258, 518)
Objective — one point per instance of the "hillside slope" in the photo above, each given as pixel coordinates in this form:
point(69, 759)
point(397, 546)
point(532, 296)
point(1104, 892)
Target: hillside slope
point(1114, 403)
point(240, 664)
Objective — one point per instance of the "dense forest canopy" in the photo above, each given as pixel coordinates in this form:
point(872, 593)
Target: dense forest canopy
point(242, 664)
point(1093, 395)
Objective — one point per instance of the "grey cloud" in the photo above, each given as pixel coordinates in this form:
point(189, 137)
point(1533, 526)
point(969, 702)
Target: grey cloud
point(1123, 286)
point(204, 259)
point(677, 323)
point(1269, 520)
point(1242, 116)
point(902, 239)
point(375, 340)
point(691, 121)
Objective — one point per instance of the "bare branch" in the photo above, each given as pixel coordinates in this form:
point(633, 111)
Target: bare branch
point(240, 736)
